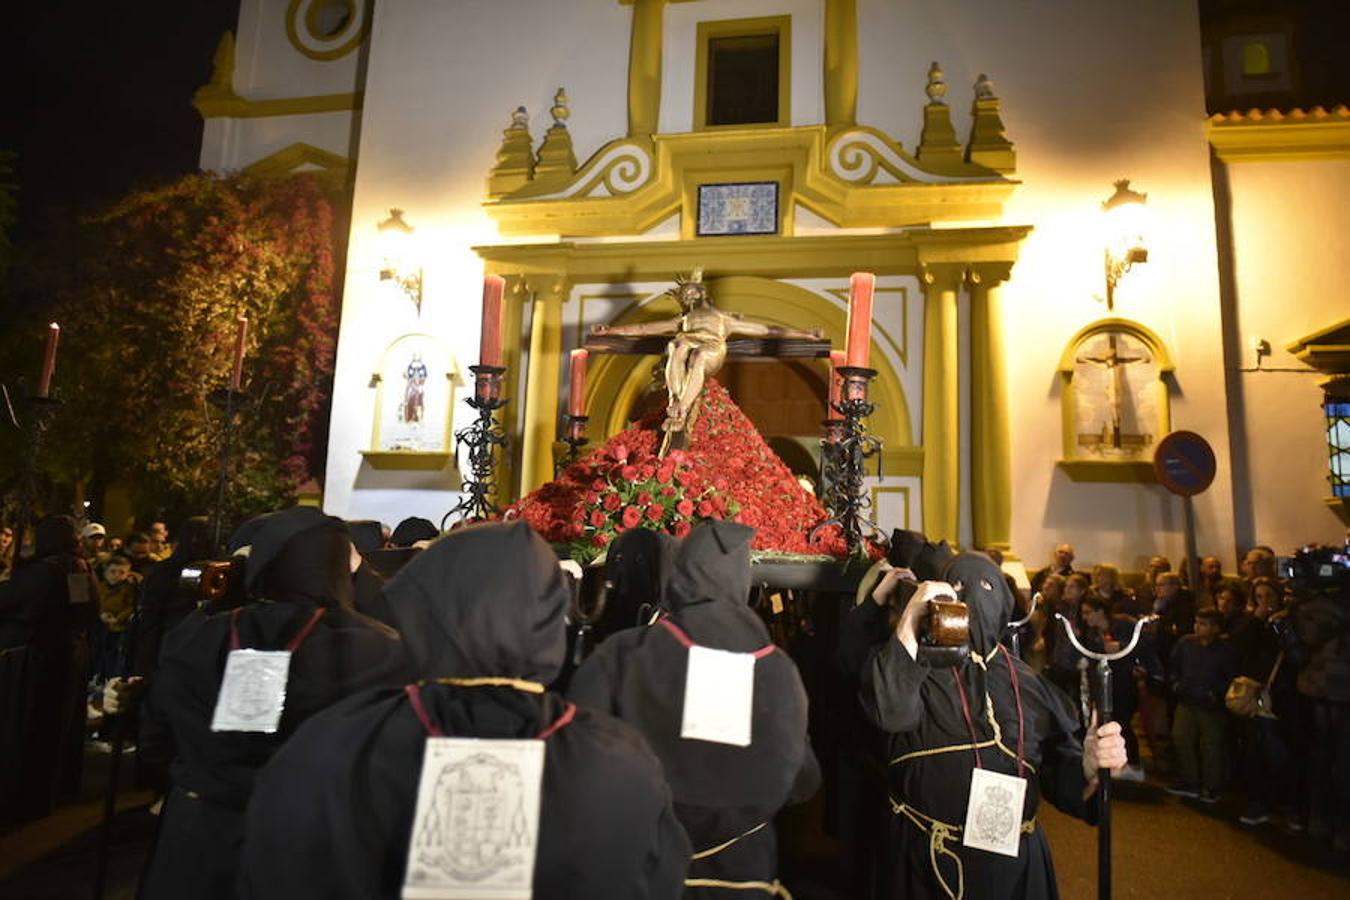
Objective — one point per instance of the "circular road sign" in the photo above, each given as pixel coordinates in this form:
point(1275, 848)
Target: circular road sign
point(1184, 463)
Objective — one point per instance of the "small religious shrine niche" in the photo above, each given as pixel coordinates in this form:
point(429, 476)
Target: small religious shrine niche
point(416, 383)
point(1115, 399)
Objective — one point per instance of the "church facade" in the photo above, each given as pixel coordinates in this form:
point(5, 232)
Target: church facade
point(1031, 351)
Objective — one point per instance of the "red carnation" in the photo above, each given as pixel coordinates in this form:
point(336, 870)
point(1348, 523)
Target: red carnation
point(631, 516)
point(684, 477)
point(682, 528)
point(667, 491)
point(598, 518)
point(705, 508)
point(665, 473)
point(628, 473)
point(654, 511)
point(647, 471)
point(644, 497)
point(590, 498)
point(619, 452)
point(612, 501)
point(685, 507)
point(599, 484)
point(601, 538)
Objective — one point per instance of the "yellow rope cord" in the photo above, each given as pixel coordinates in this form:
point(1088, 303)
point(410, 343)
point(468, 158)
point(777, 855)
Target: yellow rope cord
point(939, 835)
point(773, 888)
point(704, 854)
point(520, 684)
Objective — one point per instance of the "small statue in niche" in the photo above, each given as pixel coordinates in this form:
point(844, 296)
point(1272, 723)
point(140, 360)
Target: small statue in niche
point(414, 391)
point(1117, 436)
point(697, 349)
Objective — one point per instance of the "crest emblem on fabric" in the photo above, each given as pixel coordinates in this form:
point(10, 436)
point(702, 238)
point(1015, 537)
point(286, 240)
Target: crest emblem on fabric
point(476, 829)
point(253, 691)
point(994, 815)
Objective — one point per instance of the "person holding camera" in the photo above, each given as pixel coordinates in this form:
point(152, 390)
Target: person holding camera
point(233, 684)
point(973, 747)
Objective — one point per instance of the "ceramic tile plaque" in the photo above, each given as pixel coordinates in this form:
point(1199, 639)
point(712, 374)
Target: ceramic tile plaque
point(743, 208)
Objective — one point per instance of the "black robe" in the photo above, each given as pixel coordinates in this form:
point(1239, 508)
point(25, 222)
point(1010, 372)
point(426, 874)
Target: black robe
point(722, 792)
point(213, 774)
point(920, 708)
point(333, 813)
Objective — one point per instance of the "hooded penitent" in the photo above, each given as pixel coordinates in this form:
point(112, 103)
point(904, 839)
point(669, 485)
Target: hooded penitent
point(483, 610)
point(721, 791)
point(637, 567)
point(299, 565)
point(931, 756)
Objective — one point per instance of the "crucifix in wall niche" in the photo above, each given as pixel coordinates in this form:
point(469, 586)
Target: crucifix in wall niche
point(1114, 395)
point(696, 344)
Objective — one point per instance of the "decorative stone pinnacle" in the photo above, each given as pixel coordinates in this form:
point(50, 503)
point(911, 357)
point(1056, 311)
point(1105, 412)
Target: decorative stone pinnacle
point(984, 88)
point(937, 87)
point(560, 110)
point(520, 119)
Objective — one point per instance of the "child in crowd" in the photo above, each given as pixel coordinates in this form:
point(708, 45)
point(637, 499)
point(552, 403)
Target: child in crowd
point(1201, 666)
point(117, 587)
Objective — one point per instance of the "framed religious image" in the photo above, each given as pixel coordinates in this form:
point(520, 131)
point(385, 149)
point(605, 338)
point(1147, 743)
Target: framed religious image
point(415, 386)
point(1115, 401)
point(745, 208)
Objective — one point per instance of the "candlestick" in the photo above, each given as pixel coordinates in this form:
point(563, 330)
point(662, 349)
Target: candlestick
point(240, 337)
point(836, 385)
point(861, 287)
point(576, 399)
point(846, 447)
point(49, 360)
point(574, 436)
point(483, 437)
point(490, 345)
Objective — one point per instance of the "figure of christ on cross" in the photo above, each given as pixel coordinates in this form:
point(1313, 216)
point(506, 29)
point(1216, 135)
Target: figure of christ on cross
point(697, 349)
point(1114, 364)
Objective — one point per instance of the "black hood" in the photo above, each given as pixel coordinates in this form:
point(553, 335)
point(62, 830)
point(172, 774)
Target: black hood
point(194, 541)
point(412, 530)
point(55, 536)
point(637, 567)
point(984, 589)
point(484, 601)
point(709, 590)
point(265, 535)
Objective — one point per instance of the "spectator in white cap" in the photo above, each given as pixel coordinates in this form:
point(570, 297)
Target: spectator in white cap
point(93, 541)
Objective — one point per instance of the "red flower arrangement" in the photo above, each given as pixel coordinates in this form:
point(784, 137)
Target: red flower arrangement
point(728, 472)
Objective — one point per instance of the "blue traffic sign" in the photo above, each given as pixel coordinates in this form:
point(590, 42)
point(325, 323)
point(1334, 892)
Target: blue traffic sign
point(1184, 463)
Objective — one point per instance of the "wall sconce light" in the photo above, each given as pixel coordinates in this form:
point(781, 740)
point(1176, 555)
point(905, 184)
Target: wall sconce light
point(398, 261)
point(1125, 245)
point(1336, 406)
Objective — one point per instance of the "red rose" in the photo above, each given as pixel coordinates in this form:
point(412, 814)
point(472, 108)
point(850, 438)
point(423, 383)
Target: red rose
point(644, 498)
point(631, 516)
point(590, 498)
point(667, 491)
point(612, 501)
point(665, 473)
point(705, 508)
point(619, 452)
point(598, 518)
point(601, 538)
point(682, 528)
point(629, 473)
point(684, 477)
point(647, 471)
point(685, 507)
point(599, 484)
point(578, 515)
point(654, 511)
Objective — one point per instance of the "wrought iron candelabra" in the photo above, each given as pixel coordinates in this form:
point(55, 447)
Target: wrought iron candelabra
point(845, 449)
point(482, 438)
point(575, 438)
point(230, 401)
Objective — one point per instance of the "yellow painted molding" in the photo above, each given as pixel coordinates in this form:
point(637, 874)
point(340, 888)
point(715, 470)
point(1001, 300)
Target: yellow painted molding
point(1327, 350)
point(710, 30)
point(1279, 137)
point(1112, 471)
point(213, 105)
point(854, 178)
point(644, 67)
point(288, 159)
point(1143, 332)
point(411, 460)
point(303, 14)
point(1341, 507)
point(841, 62)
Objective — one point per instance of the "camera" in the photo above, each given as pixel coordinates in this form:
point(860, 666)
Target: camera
point(213, 581)
point(1313, 568)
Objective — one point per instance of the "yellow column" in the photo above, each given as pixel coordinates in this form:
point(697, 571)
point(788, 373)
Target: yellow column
point(542, 381)
point(644, 67)
point(841, 62)
point(513, 312)
point(941, 404)
point(990, 450)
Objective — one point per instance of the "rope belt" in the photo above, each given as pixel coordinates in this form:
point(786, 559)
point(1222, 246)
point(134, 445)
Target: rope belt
point(712, 851)
point(773, 888)
point(939, 835)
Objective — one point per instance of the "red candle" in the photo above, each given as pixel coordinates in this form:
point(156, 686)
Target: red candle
point(490, 346)
point(836, 384)
point(240, 337)
point(860, 290)
point(576, 399)
point(49, 360)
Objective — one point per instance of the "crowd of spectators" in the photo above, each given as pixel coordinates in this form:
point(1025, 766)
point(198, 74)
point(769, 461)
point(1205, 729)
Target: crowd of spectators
point(1239, 684)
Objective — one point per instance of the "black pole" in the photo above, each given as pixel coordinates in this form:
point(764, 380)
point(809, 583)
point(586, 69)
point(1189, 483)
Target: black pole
point(1104, 713)
point(116, 725)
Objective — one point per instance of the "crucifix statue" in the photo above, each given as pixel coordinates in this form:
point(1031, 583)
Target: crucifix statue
point(1114, 364)
point(696, 350)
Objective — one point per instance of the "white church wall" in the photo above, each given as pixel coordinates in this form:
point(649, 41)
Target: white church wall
point(441, 83)
point(1291, 229)
point(1088, 97)
point(229, 145)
